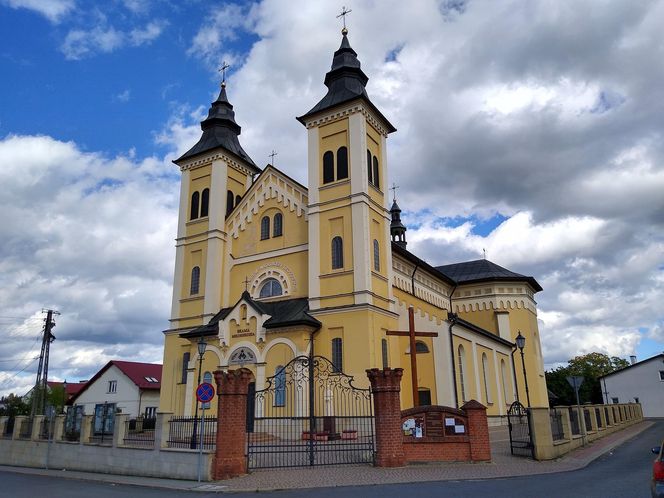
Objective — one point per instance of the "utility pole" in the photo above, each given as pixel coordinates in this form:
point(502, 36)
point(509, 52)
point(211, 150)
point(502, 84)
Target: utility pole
point(41, 385)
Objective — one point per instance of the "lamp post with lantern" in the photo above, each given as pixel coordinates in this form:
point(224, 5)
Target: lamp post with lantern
point(202, 345)
point(521, 343)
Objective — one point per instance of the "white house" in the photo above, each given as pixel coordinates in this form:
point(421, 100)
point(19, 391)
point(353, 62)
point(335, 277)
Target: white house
point(641, 382)
point(121, 387)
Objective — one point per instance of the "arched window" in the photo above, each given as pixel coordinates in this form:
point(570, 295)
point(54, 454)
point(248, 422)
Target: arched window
point(328, 167)
point(337, 354)
point(462, 368)
point(279, 386)
point(376, 250)
point(243, 312)
point(265, 228)
point(185, 366)
point(195, 280)
point(369, 166)
point(503, 380)
point(421, 347)
point(207, 377)
point(238, 198)
point(205, 202)
point(194, 205)
point(342, 163)
point(277, 229)
point(487, 389)
point(337, 253)
point(229, 202)
point(271, 288)
point(383, 345)
point(375, 172)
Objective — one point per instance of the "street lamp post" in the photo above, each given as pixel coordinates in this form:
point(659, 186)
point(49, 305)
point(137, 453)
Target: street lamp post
point(520, 343)
point(201, 351)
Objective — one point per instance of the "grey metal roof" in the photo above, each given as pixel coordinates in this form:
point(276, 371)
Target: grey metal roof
point(220, 130)
point(345, 82)
point(482, 270)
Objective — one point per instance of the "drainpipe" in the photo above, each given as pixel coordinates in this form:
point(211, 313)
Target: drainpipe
point(516, 386)
point(452, 317)
point(412, 281)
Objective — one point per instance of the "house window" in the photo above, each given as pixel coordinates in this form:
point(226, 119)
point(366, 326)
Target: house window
point(342, 163)
point(421, 347)
point(238, 198)
point(375, 172)
point(195, 280)
point(277, 229)
point(271, 288)
point(194, 205)
point(661, 375)
point(485, 367)
point(337, 354)
point(280, 386)
point(462, 367)
point(207, 377)
point(337, 253)
point(112, 386)
point(383, 345)
point(229, 202)
point(328, 167)
point(614, 401)
point(369, 173)
point(376, 251)
point(185, 366)
point(424, 396)
point(205, 202)
point(150, 411)
point(265, 227)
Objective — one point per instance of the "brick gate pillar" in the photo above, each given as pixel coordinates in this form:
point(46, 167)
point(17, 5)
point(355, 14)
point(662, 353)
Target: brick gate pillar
point(230, 458)
point(478, 431)
point(386, 388)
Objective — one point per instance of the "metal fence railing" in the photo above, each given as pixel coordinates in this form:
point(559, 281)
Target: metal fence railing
point(139, 432)
point(25, 432)
point(587, 420)
point(598, 416)
point(9, 428)
point(185, 432)
point(556, 419)
point(574, 421)
point(101, 432)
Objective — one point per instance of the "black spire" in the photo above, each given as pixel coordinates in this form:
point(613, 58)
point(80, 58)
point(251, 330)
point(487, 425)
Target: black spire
point(397, 229)
point(220, 130)
point(345, 82)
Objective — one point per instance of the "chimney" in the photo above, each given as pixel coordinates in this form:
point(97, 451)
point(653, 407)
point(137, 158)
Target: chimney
point(632, 359)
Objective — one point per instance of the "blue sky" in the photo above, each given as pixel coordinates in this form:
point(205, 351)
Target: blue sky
point(545, 149)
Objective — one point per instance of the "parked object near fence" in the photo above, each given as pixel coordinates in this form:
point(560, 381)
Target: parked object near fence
point(181, 428)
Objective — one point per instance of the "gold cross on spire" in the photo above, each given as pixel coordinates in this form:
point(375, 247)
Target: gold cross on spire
point(222, 70)
point(246, 283)
point(394, 188)
point(343, 14)
point(272, 157)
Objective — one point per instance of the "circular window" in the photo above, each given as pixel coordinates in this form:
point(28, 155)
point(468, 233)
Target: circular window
point(271, 288)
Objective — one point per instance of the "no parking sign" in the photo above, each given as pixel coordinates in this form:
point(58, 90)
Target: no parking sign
point(205, 392)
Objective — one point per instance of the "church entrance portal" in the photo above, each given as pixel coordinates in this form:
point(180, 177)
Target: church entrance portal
point(310, 414)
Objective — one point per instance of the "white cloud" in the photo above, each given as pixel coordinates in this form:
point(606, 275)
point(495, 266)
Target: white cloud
point(123, 96)
point(147, 34)
point(53, 10)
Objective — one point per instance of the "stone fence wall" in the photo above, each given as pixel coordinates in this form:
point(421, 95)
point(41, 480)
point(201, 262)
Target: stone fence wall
point(559, 430)
point(29, 445)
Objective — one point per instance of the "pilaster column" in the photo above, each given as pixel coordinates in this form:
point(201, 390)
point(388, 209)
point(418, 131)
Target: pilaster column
point(478, 431)
point(386, 389)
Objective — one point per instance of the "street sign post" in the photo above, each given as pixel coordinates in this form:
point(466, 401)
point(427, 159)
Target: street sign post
point(204, 393)
point(575, 381)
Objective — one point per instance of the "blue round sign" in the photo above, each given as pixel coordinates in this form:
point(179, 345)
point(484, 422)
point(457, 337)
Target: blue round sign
point(204, 392)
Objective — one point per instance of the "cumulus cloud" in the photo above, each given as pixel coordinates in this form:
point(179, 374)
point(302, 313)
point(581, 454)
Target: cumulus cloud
point(53, 10)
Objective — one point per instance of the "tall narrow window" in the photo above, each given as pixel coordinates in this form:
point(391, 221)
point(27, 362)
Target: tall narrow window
point(195, 280)
point(229, 202)
point(328, 167)
point(424, 396)
point(342, 163)
point(280, 386)
point(238, 198)
point(503, 380)
point(375, 172)
point(194, 205)
point(265, 228)
point(277, 230)
point(376, 251)
point(185, 366)
point(205, 202)
point(337, 253)
point(487, 388)
point(369, 171)
point(383, 345)
point(462, 368)
point(337, 354)
point(271, 288)
point(243, 312)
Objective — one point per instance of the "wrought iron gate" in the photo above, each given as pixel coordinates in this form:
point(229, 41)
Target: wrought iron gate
point(518, 418)
point(310, 414)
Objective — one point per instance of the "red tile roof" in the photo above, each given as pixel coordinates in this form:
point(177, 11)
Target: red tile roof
point(72, 387)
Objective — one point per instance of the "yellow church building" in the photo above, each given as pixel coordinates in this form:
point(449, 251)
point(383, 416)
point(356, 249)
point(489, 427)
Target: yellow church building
point(267, 269)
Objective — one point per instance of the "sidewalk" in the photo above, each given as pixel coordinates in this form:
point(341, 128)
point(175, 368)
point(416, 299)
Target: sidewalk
point(503, 465)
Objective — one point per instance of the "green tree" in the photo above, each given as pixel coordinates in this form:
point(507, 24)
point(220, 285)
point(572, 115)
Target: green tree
point(12, 405)
point(591, 367)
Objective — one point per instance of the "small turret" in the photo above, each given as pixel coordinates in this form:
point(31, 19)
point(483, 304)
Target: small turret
point(397, 228)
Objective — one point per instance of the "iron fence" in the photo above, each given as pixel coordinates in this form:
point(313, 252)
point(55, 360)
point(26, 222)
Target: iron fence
point(598, 416)
point(181, 433)
point(25, 432)
point(556, 420)
point(9, 428)
point(139, 432)
point(45, 429)
point(606, 415)
point(102, 433)
point(574, 421)
point(586, 419)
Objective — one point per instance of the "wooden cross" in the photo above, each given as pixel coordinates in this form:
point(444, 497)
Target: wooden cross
point(272, 156)
point(343, 14)
point(411, 333)
point(394, 189)
point(222, 70)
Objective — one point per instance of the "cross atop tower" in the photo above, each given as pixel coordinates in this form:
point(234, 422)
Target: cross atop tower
point(246, 283)
point(272, 157)
point(343, 14)
point(222, 70)
point(394, 188)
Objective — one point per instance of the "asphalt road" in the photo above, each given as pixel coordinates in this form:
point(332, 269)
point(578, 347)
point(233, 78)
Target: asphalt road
point(623, 473)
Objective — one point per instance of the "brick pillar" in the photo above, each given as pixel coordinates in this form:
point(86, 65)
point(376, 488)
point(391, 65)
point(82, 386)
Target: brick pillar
point(230, 459)
point(478, 431)
point(386, 388)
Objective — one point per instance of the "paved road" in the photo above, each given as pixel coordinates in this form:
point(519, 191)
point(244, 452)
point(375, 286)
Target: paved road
point(623, 473)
